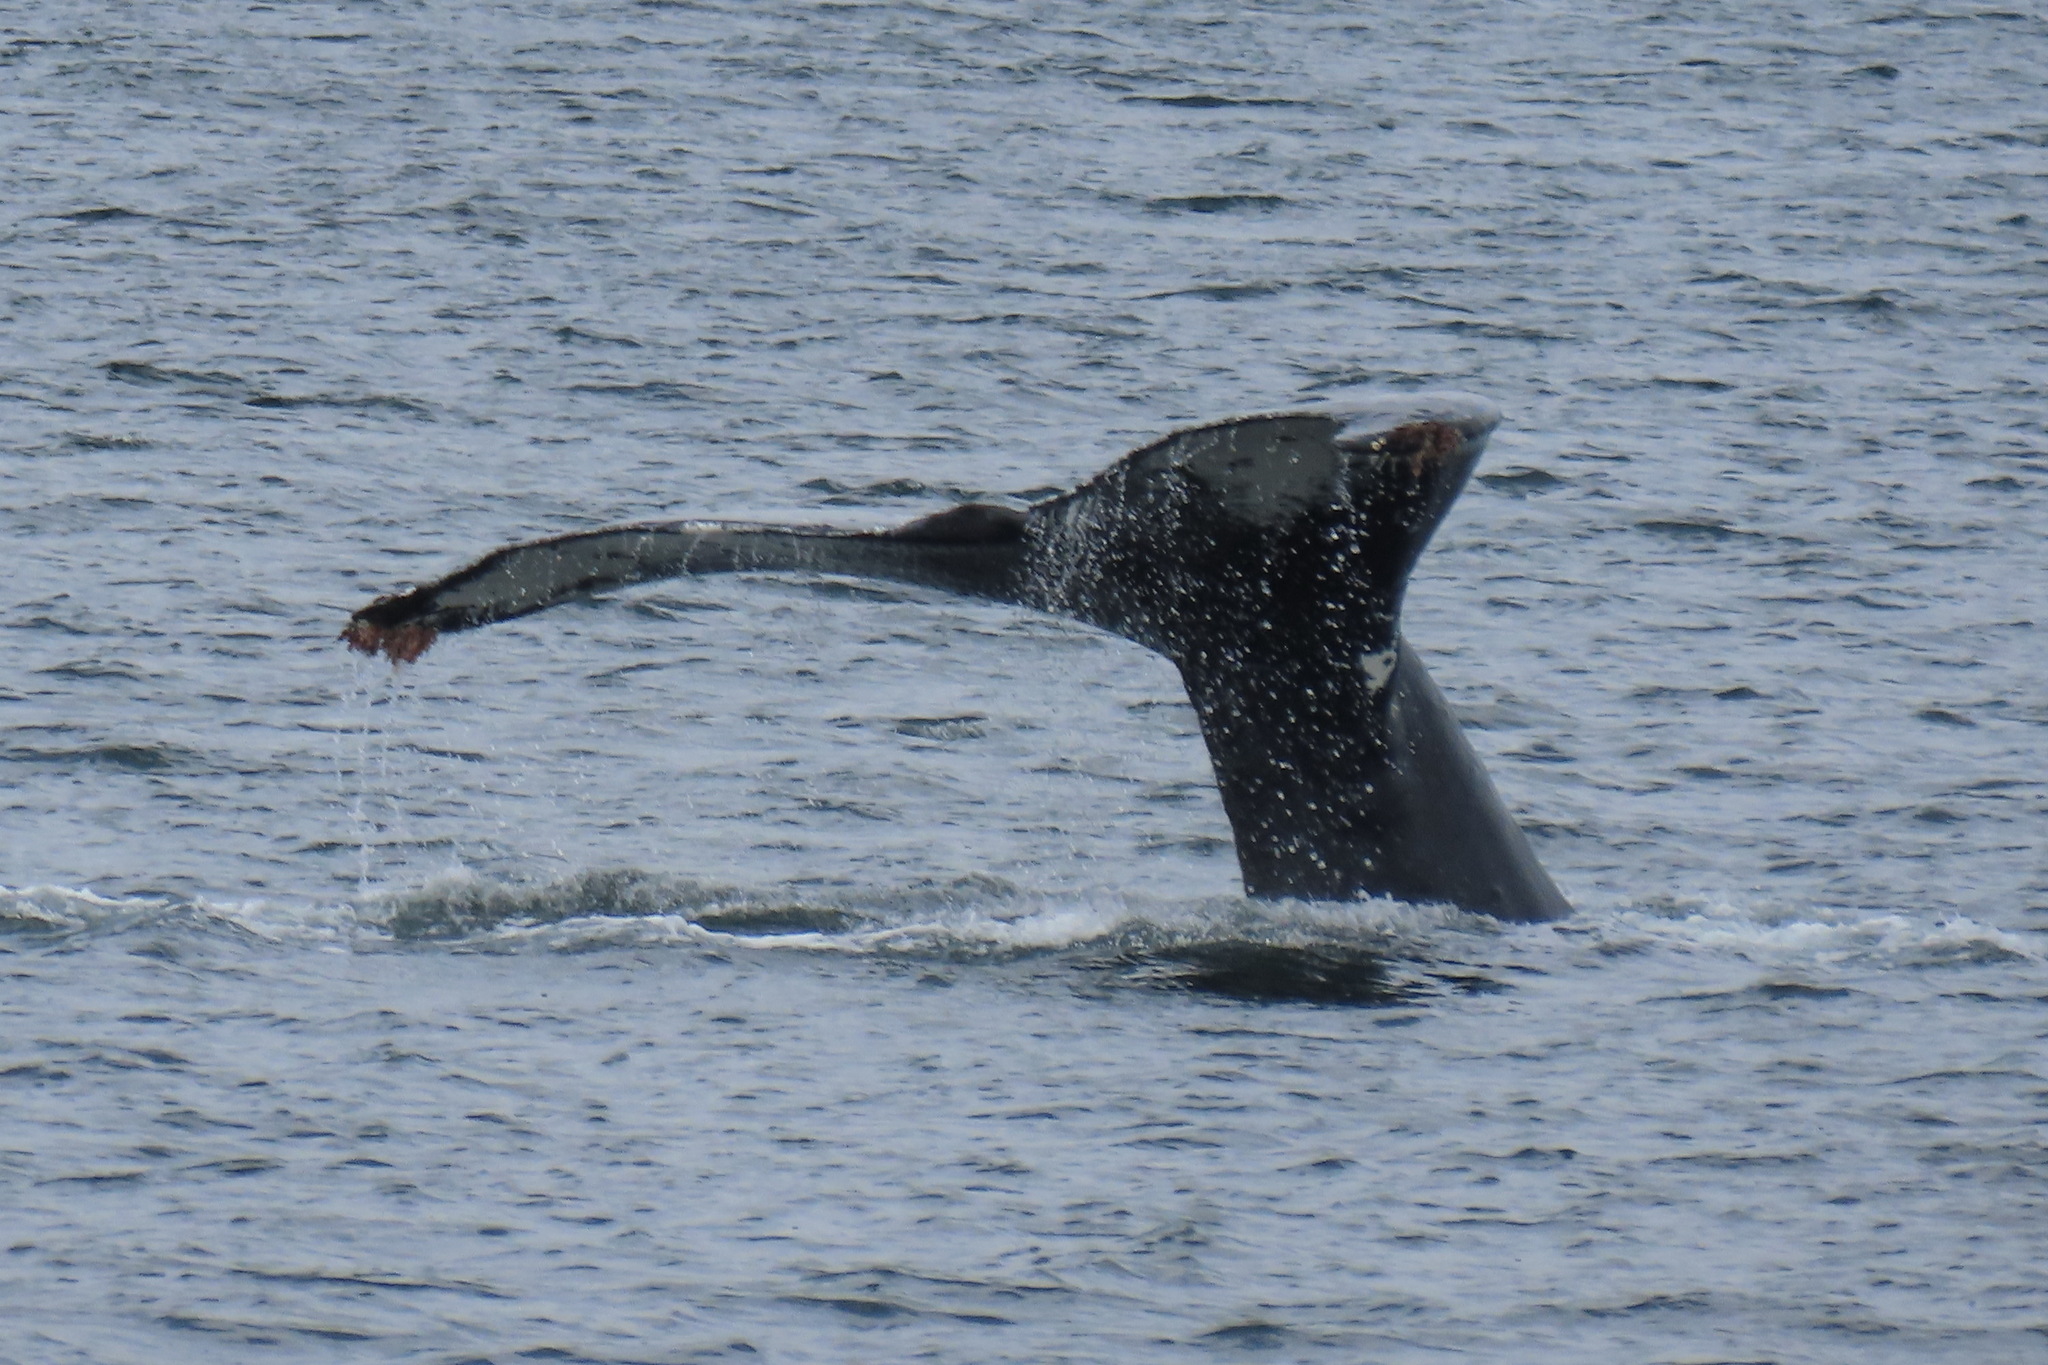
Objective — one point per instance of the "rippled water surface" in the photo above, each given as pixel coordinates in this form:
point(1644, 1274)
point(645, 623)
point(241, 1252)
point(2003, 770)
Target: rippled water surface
point(761, 968)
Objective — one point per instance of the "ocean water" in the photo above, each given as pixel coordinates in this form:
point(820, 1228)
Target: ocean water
point(761, 968)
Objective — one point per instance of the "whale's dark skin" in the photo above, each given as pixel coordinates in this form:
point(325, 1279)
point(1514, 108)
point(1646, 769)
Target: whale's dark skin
point(1265, 556)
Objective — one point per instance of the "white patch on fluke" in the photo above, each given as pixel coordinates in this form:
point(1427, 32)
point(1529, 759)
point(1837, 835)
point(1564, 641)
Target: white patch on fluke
point(1378, 666)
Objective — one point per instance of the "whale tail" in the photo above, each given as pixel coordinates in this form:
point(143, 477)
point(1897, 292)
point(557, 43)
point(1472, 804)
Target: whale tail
point(1266, 556)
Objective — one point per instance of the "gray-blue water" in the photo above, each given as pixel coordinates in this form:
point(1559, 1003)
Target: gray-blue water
point(768, 969)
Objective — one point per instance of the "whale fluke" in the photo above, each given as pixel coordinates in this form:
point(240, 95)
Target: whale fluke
point(967, 549)
point(1266, 556)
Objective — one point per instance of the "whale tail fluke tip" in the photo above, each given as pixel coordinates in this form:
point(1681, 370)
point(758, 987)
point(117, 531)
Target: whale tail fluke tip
point(401, 643)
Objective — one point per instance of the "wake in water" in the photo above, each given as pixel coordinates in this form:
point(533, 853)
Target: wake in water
point(1340, 953)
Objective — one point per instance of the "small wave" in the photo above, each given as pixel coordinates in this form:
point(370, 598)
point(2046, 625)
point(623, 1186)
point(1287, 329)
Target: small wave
point(1694, 528)
point(1521, 481)
point(575, 335)
point(85, 440)
point(841, 494)
point(1216, 203)
point(364, 403)
point(36, 910)
point(1492, 331)
point(1872, 301)
point(1774, 935)
point(144, 372)
point(1325, 974)
point(135, 757)
point(1217, 102)
point(1226, 293)
point(101, 215)
point(461, 905)
point(653, 391)
point(69, 914)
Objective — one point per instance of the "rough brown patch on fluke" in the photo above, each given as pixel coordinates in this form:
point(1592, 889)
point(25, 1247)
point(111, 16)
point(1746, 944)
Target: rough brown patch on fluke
point(400, 644)
point(1421, 444)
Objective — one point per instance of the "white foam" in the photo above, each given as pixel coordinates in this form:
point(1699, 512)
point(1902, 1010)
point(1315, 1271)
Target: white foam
point(1018, 923)
point(66, 909)
point(1778, 934)
point(596, 910)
